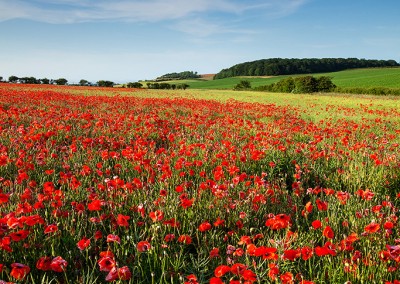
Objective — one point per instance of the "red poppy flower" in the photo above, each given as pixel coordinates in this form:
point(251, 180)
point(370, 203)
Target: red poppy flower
point(238, 268)
point(113, 239)
point(44, 263)
point(50, 229)
point(58, 264)
point(83, 243)
point(291, 254)
point(19, 271)
point(278, 222)
point(122, 220)
point(221, 270)
point(95, 205)
point(328, 232)
point(19, 235)
point(157, 215)
point(372, 228)
point(106, 263)
point(185, 239)
point(143, 246)
point(216, 280)
point(205, 226)
point(287, 278)
point(316, 224)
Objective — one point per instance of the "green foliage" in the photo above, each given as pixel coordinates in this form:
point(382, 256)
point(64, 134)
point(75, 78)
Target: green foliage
point(61, 81)
point(45, 81)
point(166, 86)
point(302, 84)
point(134, 85)
point(179, 76)
point(105, 83)
point(243, 85)
point(13, 79)
point(285, 66)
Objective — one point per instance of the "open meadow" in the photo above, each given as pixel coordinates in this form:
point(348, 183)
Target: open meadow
point(353, 78)
point(197, 186)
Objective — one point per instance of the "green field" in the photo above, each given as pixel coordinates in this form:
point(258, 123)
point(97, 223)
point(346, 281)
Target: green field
point(362, 78)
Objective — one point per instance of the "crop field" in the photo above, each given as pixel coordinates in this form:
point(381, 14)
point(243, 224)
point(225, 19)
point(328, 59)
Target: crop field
point(356, 78)
point(118, 185)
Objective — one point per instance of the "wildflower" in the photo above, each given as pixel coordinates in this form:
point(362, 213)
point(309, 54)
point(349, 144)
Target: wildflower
point(58, 264)
point(19, 271)
point(83, 243)
point(143, 246)
point(44, 263)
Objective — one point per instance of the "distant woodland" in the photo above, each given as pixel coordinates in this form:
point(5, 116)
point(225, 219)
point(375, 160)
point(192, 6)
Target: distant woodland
point(286, 66)
point(179, 76)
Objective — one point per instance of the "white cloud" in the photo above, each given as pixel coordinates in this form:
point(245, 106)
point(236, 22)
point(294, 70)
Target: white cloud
point(76, 11)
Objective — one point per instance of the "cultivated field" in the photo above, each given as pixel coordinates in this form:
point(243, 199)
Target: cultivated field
point(357, 78)
point(147, 186)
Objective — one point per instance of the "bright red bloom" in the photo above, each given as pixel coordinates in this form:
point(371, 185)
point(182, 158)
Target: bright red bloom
point(124, 273)
point(214, 253)
point(168, 238)
point(157, 215)
point(328, 232)
point(44, 263)
point(95, 205)
point(143, 246)
point(266, 253)
point(106, 263)
point(186, 239)
point(19, 271)
point(291, 254)
point(122, 220)
point(83, 243)
point(3, 198)
point(277, 222)
point(322, 205)
point(205, 226)
point(50, 229)
point(372, 228)
point(316, 224)
point(58, 264)
point(287, 278)
point(238, 268)
point(221, 270)
point(216, 280)
point(192, 279)
point(306, 253)
point(19, 236)
point(113, 239)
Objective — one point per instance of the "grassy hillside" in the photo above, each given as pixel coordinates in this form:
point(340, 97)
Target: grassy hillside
point(364, 78)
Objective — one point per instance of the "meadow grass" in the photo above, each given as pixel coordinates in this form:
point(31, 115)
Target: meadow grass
point(362, 78)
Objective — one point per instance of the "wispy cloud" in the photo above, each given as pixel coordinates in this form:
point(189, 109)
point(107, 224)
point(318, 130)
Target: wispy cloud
point(77, 11)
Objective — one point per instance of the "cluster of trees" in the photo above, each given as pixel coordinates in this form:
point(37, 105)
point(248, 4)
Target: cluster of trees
point(303, 84)
point(243, 85)
point(167, 86)
point(285, 66)
point(179, 76)
point(33, 80)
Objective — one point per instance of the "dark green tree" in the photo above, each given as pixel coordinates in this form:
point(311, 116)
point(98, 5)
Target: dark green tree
point(105, 83)
point(243, 85)
point(13, 79)
point(45, 81)
point(84, 82)
point(61, 81)
point(134, 85)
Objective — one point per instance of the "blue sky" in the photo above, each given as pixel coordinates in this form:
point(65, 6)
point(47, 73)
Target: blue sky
point(130, 40)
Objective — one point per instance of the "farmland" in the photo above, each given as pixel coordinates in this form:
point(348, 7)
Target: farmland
point(360, 78)
point(206, 186)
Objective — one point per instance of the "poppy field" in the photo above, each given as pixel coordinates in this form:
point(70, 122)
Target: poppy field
point(101, 186)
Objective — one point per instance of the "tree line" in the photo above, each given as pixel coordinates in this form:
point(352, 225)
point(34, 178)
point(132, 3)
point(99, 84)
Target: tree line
point(286, 66)
point(179, 76)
